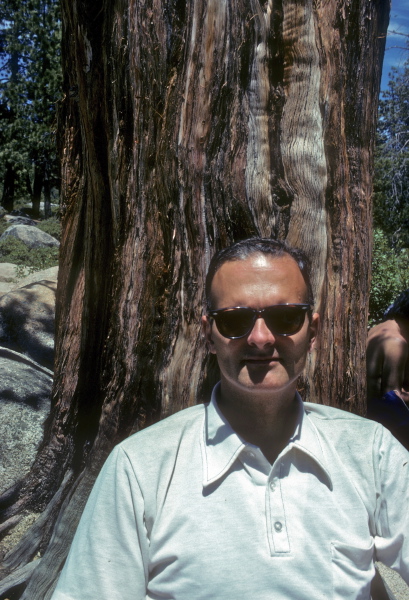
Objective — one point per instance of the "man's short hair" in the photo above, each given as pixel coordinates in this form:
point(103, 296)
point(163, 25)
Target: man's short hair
point(400, 308)
point(246, 248)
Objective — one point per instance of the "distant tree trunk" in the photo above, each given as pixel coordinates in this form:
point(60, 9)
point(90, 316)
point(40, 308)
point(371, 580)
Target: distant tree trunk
point(194, 124)
point(37, 189)
point(47, 194)
point(28, 184)
point(9, 187)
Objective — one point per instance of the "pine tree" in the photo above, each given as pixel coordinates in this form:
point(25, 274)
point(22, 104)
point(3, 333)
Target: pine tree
point(391, 183)
point(30, 38)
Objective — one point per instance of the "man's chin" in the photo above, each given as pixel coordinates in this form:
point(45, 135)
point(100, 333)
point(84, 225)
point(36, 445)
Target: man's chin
point(263, 375)
point(262, 382)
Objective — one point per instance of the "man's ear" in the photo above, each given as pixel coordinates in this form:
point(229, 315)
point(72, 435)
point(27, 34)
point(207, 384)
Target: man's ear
point(207, 333)
point(314, 326)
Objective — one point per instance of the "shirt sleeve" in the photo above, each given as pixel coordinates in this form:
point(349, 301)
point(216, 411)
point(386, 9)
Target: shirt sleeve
point(392, 514)
point(109, 554)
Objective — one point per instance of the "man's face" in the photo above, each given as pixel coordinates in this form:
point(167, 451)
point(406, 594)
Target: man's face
point(261, 362)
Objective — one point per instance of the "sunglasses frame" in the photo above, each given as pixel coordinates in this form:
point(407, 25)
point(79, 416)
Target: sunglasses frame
point(256, 314)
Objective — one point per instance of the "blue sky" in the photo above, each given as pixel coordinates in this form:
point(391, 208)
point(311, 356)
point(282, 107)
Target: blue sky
point(395, 56)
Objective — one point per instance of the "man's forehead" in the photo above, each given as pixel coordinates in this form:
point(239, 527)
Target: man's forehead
point(260, 264)
point(259, 272)
point(260, 261)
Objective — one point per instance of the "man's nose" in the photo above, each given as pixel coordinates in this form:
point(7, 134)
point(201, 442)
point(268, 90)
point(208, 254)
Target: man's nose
point(260, 335)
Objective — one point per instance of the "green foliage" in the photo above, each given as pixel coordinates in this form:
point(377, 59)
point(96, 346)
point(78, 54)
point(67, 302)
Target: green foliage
point(390, 276)
point(391, 180)
point(390, 266)
point(51, 226)
point(16, 252)
point(3, 226)
point(30, 84)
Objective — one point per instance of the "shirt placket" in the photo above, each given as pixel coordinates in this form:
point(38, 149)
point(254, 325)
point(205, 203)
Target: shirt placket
point(277, 530)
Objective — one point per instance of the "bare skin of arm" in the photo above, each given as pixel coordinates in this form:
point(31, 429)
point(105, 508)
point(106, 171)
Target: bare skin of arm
point(387, 359)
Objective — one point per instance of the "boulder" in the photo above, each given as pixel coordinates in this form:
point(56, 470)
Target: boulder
point(19, 213)
point(13, 276)
point(17, 220)
point(9, 277)
point(25, 393)
point(31, 236)
point(27, 320)
point(51, 274)
point(8, 272)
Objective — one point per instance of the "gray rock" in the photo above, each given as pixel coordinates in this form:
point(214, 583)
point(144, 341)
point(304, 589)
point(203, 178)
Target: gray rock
point(5, 287)
point(31, 236)
point(27, 321)
point(25, 392)
point(13, 276)
point(397, 589)
point(18, 220)
point(9, 277)
point(9, 273)
point(50, 274)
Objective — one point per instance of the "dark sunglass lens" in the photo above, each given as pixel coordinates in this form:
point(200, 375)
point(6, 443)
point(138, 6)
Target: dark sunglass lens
point(284, 320)
point(234, 323)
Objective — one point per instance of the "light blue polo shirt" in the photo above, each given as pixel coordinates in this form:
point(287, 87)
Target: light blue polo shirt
point(186, 510)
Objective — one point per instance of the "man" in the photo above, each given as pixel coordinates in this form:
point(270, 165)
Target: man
point(387, 361)
point(255, 496)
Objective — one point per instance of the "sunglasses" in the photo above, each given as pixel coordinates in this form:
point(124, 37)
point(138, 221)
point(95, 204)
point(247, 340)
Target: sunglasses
point(281, 319)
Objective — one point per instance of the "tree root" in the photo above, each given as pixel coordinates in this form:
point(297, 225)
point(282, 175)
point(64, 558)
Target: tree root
point(11, 584)
point(44, 578)
point(9, 524)
point(38, 534)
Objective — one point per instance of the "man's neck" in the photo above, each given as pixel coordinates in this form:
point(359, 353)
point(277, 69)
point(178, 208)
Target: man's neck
point(265, 420)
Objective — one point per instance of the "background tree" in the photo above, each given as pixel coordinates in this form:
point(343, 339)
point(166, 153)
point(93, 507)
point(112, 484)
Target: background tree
point(390, 275)
point(30, 85)
point(391, 195)
point(193, 124)
point(391, 182)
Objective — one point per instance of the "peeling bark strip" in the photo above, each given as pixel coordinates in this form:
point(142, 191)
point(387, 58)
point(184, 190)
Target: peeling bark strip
point(302, 142)
point(258, 184)
point(196, 123)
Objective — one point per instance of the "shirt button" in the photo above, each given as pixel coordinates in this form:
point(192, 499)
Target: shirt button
point(272, 486)
point(278, 526)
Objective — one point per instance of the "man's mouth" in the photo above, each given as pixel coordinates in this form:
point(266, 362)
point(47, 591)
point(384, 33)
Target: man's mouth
point(261, 359)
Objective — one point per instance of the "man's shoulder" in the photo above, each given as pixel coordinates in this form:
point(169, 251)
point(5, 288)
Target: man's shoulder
point(386, 333)
point(353, 439)
point(169, 431)
point(324, 412)
point(336, 420)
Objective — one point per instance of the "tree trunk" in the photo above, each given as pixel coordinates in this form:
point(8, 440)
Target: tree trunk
point(37, 189)
point(194, 124)
point(9, 186)
point(47, 194)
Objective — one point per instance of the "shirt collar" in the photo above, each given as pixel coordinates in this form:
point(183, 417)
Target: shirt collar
point(221, 445)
